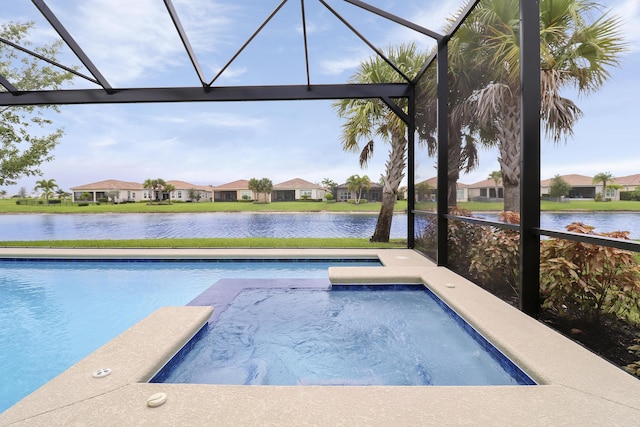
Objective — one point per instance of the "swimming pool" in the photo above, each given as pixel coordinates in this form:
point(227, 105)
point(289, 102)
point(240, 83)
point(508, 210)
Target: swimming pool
point(266, 334)
point(55, 312)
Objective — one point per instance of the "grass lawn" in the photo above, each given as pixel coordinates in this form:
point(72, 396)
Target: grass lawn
point(10, 206)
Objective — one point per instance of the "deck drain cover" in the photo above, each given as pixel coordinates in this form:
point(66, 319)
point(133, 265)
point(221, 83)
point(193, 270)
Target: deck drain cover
point(156, 400)
point(101, 373)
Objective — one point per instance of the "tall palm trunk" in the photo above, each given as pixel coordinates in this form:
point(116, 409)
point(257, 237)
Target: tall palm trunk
point(508, 127)
point(394, 174)
point(455, 164)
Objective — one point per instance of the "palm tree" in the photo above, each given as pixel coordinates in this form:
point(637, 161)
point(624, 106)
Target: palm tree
point(357, 184)
point(150, 185)
point(371, 118)
point(576, 51)
point(168, 188)
point(62, 195)
point(47, 186)
point(496, 176)
point(604, 178)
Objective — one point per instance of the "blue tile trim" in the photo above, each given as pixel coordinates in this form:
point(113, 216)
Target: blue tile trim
point(203, 260)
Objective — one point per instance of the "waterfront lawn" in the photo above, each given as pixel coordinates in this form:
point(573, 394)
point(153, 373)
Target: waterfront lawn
point(547, 206)
point(10, 206)
point(212, 243)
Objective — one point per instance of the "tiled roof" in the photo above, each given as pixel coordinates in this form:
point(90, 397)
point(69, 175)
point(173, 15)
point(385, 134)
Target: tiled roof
point(433, 183)
point(572, 179)
point(628, 180)
point(241, 184)
point(486, 183)
point(182, 185)
point(295, 184)
point(109, 184)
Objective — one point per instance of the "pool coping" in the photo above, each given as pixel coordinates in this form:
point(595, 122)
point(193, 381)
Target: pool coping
point(576, 386)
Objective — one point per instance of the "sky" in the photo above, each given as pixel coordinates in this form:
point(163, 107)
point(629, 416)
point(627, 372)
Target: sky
point(134, 44)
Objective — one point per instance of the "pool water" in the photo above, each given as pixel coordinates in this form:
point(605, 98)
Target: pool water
point(349, 335)
point(54, 313)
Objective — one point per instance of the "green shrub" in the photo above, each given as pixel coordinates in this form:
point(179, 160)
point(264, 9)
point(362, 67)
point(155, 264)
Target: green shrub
point(83, 204)
point(55, 201)
point(103, 200)
point(328, 196)
point(461, 237)
point(495, 258)
point(589, 281)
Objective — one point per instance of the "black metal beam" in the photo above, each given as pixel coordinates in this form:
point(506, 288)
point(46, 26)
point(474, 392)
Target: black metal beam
point(75, 47)
point(185, 40)
point(530, 156)
point(45, 59)
point(443, 151)
point(249, 40)
point(396, 19)
point(199, 94)
point(396, 109)
point(7, 85)
point(306, 45)
point(411, 170)
point(367, 42)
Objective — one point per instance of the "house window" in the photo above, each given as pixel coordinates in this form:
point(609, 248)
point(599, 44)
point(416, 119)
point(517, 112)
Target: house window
point(610, 193)
point(459, 194)
point(345, 195)
point(246, 195)
point(179, 194)
point(133, 195)
point(145, 194)
point(483, 192)
point(305, 193)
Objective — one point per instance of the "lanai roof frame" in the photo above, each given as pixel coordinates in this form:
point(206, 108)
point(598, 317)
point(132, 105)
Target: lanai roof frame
point(530, 230)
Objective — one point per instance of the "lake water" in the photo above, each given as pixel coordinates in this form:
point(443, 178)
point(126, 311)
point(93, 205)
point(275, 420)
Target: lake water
point(602, 221)
point(194, 225)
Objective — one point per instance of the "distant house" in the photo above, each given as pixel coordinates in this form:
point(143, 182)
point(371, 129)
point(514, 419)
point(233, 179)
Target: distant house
point(427, 190)
point(486, 191)
point(233, 191)
point(126, 191)
point(374, 194)
point(582, 186)
point(297, 189)
point(182, 190)
point(628, 183)
point(135, 192)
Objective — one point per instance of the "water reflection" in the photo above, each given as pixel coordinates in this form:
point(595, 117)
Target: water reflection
point(193, 225)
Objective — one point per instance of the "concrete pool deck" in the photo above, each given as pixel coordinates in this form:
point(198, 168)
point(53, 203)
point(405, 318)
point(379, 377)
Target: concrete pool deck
point(575, 387)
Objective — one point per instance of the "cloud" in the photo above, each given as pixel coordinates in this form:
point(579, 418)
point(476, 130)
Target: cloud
point(629, 12)
point(132, 41)
point(340, 65)
point(103, 142)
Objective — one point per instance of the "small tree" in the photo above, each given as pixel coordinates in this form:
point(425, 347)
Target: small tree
point(496, 177)
point(112, 194)
point(86, 196)
point(22, 193)
point(62, 195)
point(329, 184)
point(26, 140)
point(261, 186)
point(168, 188)
point(604, 178)
point(47, 186)
point(559, 187)
point(422, 190)
point(357, 184)
point(194, 194)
